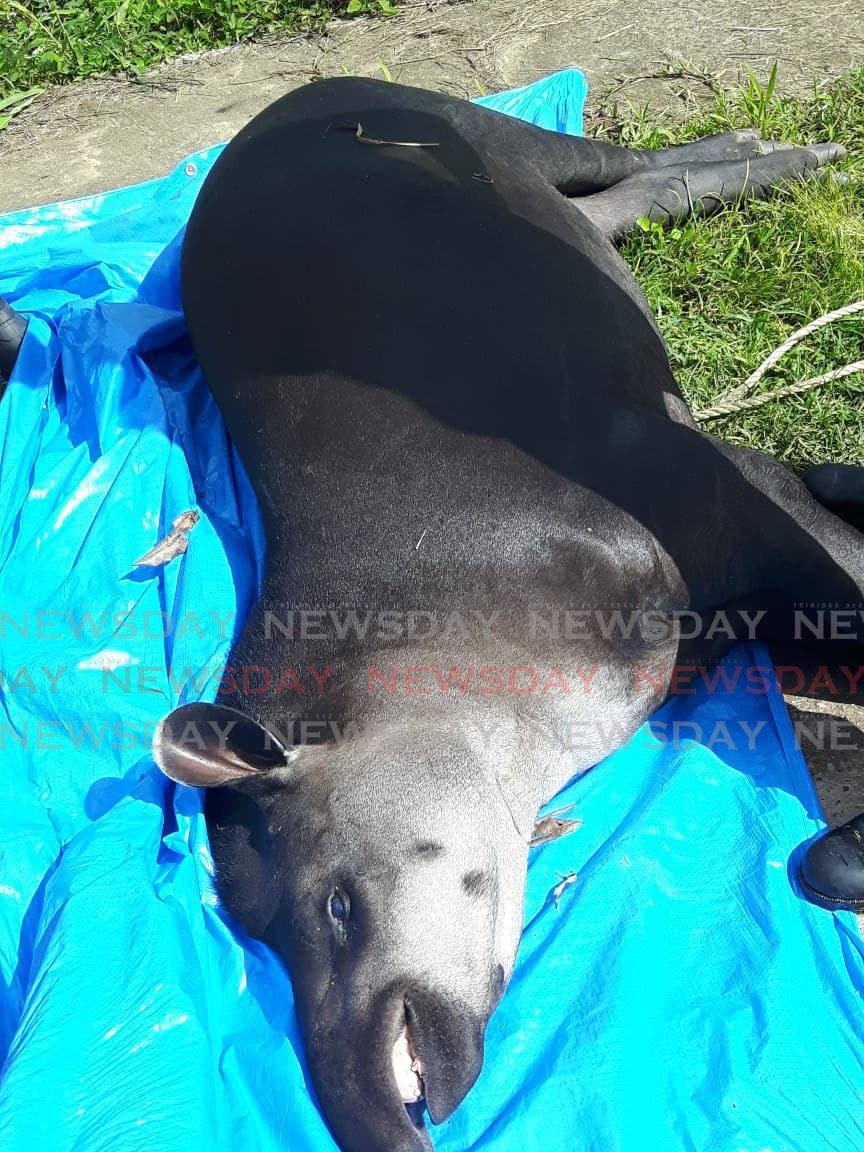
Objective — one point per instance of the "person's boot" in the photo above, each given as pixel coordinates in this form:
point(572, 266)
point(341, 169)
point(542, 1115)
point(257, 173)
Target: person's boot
point(12, 329)
point(832, 871)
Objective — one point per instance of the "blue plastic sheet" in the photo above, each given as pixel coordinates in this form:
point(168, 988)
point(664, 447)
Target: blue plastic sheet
point(677, 994)
point(555, 103)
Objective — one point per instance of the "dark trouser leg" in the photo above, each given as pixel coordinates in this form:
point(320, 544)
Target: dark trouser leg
point(12, 329)
point(840, 488)
point(832, 870)
point(811, 587)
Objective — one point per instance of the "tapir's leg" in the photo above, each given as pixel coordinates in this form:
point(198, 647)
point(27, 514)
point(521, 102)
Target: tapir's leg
point(616, 186)
point(12, 329)
point(672, 193)
point(574, 165)
point(745, 144)
point(578, 166)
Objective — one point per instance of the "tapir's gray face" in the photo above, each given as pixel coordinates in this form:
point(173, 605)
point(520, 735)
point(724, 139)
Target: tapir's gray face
point(391, 887)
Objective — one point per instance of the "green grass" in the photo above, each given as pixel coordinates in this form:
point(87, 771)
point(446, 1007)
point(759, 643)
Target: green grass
point(728, 290)
point(46, 42)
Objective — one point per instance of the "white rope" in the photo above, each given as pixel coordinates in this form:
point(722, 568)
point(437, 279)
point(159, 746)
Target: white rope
point(738, 399)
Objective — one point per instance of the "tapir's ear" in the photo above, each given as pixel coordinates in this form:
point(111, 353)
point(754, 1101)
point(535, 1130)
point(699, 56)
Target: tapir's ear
point(205, 745)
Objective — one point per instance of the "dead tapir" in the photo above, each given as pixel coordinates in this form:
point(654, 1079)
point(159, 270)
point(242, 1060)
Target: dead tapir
point(461, 425)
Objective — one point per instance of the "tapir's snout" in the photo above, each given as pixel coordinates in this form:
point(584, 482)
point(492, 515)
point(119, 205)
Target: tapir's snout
point(448, 1043)
point(353, 1061)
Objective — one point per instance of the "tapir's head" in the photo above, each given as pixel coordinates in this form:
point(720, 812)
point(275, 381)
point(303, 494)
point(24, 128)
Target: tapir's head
point(388, 872)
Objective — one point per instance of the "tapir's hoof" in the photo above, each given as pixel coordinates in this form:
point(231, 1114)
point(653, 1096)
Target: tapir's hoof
point(832, 871)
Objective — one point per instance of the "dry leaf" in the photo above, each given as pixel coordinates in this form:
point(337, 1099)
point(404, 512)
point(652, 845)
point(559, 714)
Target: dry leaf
point(173, 545)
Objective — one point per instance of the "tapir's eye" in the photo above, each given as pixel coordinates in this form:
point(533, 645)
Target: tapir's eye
point(339, 906)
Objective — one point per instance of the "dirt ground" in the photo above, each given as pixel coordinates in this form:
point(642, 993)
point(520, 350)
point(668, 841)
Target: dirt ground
point(101, 134)
point(97, 135)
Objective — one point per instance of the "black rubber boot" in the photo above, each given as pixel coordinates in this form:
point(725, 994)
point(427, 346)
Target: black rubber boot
point(12, 329)
point(832, 871)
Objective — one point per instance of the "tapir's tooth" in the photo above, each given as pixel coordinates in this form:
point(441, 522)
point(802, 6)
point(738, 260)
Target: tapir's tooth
point(407, 1069)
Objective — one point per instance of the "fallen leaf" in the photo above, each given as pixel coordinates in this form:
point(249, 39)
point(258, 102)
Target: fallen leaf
point(173, 545)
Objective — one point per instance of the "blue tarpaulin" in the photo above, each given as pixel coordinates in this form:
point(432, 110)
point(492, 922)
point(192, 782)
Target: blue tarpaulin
point(675, 994)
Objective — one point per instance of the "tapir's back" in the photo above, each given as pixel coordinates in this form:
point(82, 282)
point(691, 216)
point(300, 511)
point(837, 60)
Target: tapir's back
point(412, 336)
point(429, 268)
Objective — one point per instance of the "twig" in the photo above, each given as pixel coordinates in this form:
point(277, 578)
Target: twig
point(357, 128)
point(553, 827)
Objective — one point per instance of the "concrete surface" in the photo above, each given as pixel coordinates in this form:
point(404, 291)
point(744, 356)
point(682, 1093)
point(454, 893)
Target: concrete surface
point(100, 134)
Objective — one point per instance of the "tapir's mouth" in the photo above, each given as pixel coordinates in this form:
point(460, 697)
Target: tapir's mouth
point(410, 1059)
point(407, 1068)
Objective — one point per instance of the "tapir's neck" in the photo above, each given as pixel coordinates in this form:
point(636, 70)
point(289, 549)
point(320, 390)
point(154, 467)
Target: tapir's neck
point(532, 718)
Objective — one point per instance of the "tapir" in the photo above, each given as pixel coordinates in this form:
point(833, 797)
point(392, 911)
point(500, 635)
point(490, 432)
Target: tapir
point(460, 421)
